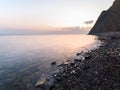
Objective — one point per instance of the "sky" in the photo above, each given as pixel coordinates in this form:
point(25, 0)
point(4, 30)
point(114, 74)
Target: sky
point(50, 16)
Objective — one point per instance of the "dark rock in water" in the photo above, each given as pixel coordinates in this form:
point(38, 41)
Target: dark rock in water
point(53, 63)
point(78, 54)
point(108, 21)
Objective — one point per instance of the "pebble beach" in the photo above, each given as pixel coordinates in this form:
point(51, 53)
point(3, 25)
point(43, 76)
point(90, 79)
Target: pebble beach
point(98, 70)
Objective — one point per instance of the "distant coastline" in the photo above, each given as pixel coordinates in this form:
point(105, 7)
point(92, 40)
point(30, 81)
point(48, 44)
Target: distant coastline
point(45, 34)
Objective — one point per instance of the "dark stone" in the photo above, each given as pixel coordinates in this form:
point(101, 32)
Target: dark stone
point(86, 67)
point(53, 63)
point(78, 54)
point(52, 87)
point(72, 64)
point(87, 56)
point(77, 60)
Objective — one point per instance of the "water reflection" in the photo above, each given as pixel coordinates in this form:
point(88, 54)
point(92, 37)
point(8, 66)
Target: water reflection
point(24, 58)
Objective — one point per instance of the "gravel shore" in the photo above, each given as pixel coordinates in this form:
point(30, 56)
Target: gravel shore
point(98, 70)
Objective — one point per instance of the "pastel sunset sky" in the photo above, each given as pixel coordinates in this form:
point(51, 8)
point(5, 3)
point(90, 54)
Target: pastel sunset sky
point(49, 16)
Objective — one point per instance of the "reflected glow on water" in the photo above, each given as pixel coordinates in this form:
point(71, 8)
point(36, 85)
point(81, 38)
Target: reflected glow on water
point(37, 47)
point(24, 58)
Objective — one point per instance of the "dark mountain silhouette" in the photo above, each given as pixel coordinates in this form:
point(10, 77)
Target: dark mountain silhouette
point(108, 21)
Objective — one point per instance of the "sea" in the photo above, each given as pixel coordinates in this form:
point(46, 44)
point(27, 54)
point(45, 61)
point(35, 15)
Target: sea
point(24, 58)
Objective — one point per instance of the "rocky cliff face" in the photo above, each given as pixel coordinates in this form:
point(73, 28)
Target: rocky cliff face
point(108, 21)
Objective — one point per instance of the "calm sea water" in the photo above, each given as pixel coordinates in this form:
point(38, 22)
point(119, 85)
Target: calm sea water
point(23, 58)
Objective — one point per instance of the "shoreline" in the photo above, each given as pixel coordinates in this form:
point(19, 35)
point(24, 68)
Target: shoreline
point(47, 81)
point(99, 69)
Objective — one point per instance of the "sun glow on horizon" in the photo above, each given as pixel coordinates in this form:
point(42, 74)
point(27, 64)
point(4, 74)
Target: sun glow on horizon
point(49, 15)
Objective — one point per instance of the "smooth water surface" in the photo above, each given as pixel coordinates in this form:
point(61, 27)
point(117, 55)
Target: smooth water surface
point(23, 58)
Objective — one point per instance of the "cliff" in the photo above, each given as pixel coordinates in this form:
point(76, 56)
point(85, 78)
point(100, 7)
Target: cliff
point(109, 20)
